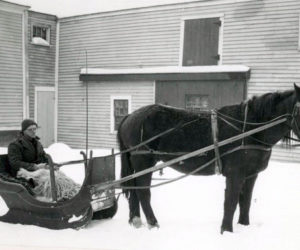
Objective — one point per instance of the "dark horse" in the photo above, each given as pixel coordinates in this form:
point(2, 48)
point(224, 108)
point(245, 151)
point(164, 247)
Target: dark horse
point(193, 131)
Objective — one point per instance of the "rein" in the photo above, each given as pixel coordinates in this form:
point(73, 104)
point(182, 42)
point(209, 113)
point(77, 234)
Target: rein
point(117, 184)
point(222, 116)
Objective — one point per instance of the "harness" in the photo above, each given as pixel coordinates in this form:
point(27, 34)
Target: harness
point(214, 125)
point(296, 112)
point(265, 125)
point(214, 129)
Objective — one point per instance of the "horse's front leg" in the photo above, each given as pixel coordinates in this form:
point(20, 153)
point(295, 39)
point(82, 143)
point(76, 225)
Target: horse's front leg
point(245, 200)
point(232, 191)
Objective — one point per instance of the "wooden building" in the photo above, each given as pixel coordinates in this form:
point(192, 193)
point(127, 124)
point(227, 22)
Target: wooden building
point(12, 69)
point(27, 68)
point(260, 34)
point(195, 55)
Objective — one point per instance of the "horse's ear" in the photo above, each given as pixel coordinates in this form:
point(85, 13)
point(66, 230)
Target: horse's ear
point(297, 90)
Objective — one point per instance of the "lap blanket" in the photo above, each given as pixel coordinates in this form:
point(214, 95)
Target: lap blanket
point(65, 186)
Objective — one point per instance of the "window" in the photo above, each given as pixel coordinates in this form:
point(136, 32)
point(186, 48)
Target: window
point(120, 107)
point(41, 35)
point(201, 41)
point(196, 103)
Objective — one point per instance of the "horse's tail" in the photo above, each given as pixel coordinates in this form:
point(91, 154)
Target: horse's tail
point(126, 168)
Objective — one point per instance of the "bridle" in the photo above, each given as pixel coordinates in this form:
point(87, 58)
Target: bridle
point(294, 123)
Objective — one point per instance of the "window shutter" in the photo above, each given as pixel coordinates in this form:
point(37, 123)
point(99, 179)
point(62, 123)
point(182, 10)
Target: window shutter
point(201, 42)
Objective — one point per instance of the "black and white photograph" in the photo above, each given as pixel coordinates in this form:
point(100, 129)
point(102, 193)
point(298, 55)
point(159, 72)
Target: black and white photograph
point(149, 124)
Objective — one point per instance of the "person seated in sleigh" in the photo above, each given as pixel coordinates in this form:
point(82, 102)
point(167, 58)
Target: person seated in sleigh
point(26, 151)
point(28, 160)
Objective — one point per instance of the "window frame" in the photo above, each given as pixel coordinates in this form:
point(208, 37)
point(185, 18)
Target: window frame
point(48, 33)
point(112, 116)
point(221, 31)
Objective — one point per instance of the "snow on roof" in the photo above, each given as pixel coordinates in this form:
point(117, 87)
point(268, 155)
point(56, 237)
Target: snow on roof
point(167, 70)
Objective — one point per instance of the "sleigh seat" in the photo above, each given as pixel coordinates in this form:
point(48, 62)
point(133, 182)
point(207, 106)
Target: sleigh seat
point(5, 175)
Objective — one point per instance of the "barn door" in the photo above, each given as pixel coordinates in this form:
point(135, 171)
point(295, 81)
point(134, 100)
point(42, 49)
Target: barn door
point(44, 114)
point(201, 42)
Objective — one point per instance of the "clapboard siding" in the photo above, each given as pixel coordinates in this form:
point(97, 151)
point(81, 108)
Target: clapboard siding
point(120, 41)
point(260, 34)
point(41, 59)
point(72, 110)
point(11, 69)
point(270, 50)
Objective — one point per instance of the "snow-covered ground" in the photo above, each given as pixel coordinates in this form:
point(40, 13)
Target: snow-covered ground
point(189, 213)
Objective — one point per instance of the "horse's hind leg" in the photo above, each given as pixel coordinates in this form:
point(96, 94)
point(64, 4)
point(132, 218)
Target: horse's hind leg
point(144, 196)
point(232, 191)
point(141, 162)
point(134, 209)
point(245, 200)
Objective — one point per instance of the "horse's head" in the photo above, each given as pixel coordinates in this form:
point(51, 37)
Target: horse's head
point(296, 113)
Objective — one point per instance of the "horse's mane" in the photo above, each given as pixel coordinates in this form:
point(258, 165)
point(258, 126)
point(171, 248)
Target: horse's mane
point(264, 106)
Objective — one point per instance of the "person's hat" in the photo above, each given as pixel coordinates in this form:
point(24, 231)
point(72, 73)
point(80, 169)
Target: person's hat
point(26, 123)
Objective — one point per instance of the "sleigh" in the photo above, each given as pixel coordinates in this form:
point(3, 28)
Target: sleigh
point(75, 213)
point(96, 199)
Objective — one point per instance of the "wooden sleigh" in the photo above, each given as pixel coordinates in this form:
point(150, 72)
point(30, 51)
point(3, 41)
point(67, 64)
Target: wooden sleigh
point(76, 212)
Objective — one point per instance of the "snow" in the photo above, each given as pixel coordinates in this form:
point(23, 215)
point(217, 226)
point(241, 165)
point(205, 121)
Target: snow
point(40, 41)
point(167, 70)
point(75, 218)
point(189, 213)
point(3, 208)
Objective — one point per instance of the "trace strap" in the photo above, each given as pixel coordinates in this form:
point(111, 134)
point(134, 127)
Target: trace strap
point(214, 128)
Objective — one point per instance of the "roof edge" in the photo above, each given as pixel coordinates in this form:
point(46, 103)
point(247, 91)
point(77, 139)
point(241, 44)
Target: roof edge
point(187, 4)
point(13, 7)
point(167, 70)
point(170, 73)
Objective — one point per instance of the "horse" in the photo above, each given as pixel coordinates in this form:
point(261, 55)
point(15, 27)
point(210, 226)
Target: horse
point(241, 160)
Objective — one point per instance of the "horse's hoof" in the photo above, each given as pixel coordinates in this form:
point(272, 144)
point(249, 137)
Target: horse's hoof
point(136, 222)
point(223, 229)
point(244, 222)
point(151, 226)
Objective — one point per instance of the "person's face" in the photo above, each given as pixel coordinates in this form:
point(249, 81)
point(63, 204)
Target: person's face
point(31, 131)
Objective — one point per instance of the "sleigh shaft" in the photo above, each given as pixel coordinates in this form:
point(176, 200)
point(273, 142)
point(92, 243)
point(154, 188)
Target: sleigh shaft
point(113, 184)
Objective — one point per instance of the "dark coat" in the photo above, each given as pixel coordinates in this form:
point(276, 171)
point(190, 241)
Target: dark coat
point(22, 153)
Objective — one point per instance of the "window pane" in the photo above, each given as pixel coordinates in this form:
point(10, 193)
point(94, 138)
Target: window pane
point(34, 31)
point(40, 32)
point(44, 33)
point(196, 103)
point(120, 110)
